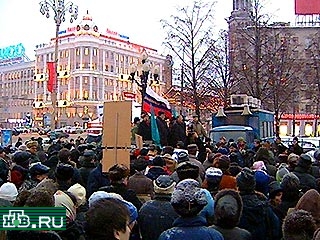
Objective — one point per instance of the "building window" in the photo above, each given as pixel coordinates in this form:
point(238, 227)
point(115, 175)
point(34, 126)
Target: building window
point(111, 68)
point(85, 95)
point(94, 52)
point(78, 51)
point(106, 68)
point(85, 80)
point(67, 53)
point(86, 51)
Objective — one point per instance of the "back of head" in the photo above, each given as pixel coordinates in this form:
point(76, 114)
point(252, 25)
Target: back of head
point(118, 172)
point(140, 164)
point(262, 182)
point(164, 184)
point(246, 181)
point(40, 198)
point(304, 161)
point(228, 208)
point(187, 170)
point(298, 225)
point(188, 199)
point(64, 155)
point(64, 172)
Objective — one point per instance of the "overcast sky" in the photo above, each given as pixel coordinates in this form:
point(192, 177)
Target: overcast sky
point(21, 21)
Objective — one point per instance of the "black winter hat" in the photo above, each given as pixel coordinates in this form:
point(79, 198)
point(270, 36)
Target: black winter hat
point(183, 157)
point(246, 181)
point(187, 170)
point(290, 182)
point(304, 161)
point(274, 189)
point(158, 161)
point(140, 164)
point(164, 184)
point(22, 158)
point(64, 172)
point(38, 169)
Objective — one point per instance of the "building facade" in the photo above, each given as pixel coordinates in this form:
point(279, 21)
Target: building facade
point(17, 90)
point(299, 112)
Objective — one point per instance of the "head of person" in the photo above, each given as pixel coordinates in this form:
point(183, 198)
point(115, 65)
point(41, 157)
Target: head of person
point(161, 115)
point(79, 192)
point(304, 161)
point(40, 198)
point(22, 158)
point(290, 185)
point(119, 173)
point(38, 171)
point(108, 219)
point(227, 208)
point(32, 146)
point(67, 200)
point(298, 225)
point(275, 193)
point(188, 198)
point(212, 179)
point(64, 173)
point(246, 181)
point(195, 118)
point(8, 191)
point(192, 149)
point(64, 155)
point(164, 185)
point(187, 170)
point(2, 152)
point(171, 164)
point(140, 164)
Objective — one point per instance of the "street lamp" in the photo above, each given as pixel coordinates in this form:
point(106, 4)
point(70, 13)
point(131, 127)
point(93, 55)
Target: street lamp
point(59, 9)
point(144, 77)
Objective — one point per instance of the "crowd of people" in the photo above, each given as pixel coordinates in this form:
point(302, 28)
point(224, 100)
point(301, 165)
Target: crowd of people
point(191, 189)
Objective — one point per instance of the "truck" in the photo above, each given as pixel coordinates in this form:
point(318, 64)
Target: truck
point(245, 120)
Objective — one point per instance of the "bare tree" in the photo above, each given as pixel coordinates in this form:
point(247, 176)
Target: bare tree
point(189, 37)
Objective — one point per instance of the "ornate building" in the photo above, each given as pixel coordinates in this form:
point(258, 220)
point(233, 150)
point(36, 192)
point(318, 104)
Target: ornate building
point(274, 62)
point(93, 67)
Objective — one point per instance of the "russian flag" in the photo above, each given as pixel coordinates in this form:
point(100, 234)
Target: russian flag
point(159, 104)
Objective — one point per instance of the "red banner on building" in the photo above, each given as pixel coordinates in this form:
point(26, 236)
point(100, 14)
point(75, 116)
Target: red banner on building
point(299, 116)
point(307, 7)
point(129, 95)
point(51, 77)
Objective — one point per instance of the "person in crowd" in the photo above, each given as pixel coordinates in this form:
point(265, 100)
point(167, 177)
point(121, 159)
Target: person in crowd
point(278, 147)
point(275, 194)
point(212, 180)
point(108, 219)
point(262, 181)
point(295, 147)
point(134, 130)
point(171, 164)
point(118, 175)
point(97, 179)
point(227, 212)
point(257, 216)
point(227, 180)
point(194, 156)
point(139, 182)
point(63, 176)
point(281, 172)
point(157, 215)
point(32, 148)
point(157, 168)
point(290, 194)
point(18, 143)
point(8, 194)
point(302, 171)
point(163, 128)
point(37, 172)
point(310, 201)
point(188, 199)
point(73, 229)
point(88, 163)
point(178, 132)
point(19, 171)
point(39, 198)
point(198, 127)
point(186, 169)
point(264, 155)
point(79, 192)
point(4, 166)
point(144, 128)
point(298, 225)
point(210, 159)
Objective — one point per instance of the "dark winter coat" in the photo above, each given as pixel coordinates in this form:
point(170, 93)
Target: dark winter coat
point(73, 231)
point(4, 170)
point(163, 131)
point(127, 194)
point(84, 172)
point(307, 181)
point(156, 216)
point(178, 133)
point(144, 130)
point(259, 219)
point(193, 228)
point(96, 180)
point(34, 235)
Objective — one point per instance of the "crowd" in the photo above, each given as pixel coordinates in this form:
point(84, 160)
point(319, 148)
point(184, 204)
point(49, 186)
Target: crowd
point(190, 190)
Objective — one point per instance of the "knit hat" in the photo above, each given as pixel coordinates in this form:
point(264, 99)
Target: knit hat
point(182, 157)
point(246, 181)
point(282, 170)
point(105, 195)
point(228, 208)
point(164, 184)
point(290, 182)
point(262, 182)
point(79, 192)
point(298, 224)
point(32, 144)
point(274, 189)
point(187, 170)
point(212, 173)
point(304, 161)
point(8, 191)
point(188, 199)
point(61, 199)
point(64, 172)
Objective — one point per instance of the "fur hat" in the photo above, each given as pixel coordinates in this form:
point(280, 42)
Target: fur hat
point(223, 162)
point(187, 170)
point(32, 144)
point(188, 199)
point(293, 159)
point(183, 157)
point(8, 191)
point(64, 172)
point(164, 184)
point(246, 181)
point(290, 182)
point(298, 224)
point(228, 208)
point(79, 192)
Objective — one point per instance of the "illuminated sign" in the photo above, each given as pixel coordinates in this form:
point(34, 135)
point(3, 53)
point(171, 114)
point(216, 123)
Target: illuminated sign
point(12, 52)
point(68, 30)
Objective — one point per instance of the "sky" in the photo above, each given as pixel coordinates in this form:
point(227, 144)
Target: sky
point(22, 22)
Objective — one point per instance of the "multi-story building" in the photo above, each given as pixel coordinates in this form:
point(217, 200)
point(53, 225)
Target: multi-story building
point(93, 67)
point(17, 90)
point(302, 108)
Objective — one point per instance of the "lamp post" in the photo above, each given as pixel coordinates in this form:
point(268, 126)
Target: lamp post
point(144, 77)
point(59, 9)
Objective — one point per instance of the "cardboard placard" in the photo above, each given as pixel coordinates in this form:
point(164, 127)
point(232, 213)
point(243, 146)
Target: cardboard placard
point(116, 134)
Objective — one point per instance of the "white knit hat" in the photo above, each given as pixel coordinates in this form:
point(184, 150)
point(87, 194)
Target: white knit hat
point(79, 192)
point(8, 191)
